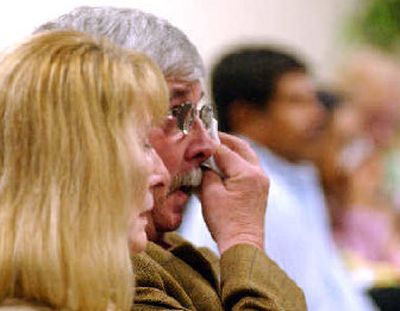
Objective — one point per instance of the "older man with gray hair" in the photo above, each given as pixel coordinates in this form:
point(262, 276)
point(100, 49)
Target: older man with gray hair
point(172, 273)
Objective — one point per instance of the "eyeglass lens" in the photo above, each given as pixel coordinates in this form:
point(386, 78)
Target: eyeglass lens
point(185, 114)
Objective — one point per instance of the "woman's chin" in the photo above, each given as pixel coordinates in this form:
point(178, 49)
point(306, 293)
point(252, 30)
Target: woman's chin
point(138, 243)
point(137, 235)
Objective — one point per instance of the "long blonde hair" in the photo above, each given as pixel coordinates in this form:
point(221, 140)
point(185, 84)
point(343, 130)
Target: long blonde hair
point(67, 181)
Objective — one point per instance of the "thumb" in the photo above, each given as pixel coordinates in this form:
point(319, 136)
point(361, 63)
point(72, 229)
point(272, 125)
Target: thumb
point(211, 182)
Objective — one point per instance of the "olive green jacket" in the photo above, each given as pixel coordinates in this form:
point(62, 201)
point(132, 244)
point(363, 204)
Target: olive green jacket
point(187, 278)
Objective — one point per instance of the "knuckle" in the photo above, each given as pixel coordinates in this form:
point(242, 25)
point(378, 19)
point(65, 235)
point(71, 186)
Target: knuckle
point(262, 179)
point(245, 144)
point(258, 176)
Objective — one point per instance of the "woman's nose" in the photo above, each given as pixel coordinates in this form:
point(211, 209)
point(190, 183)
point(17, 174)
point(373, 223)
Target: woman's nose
point(159, 175)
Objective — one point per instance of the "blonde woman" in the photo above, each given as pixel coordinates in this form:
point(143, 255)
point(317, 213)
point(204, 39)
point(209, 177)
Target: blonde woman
point(75, 174)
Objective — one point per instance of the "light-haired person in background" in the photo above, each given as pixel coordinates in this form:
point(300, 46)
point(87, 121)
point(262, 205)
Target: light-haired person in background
point(76, 175)
point(173, 274)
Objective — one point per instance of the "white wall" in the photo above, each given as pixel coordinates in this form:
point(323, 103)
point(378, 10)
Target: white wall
point(307, 25)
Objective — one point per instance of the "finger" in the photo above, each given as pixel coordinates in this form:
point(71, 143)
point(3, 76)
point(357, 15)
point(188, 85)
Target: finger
point(230, 163)
point(239, 146)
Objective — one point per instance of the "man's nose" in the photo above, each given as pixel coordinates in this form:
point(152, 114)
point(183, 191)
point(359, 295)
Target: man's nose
point(202, 146)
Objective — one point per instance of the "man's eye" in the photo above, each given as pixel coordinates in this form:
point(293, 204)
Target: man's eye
point(176, 112)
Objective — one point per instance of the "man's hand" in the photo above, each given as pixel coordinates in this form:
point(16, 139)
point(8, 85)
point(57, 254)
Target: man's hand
point(234, 207)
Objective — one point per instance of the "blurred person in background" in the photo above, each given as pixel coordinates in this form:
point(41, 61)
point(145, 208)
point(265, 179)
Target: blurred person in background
point(365, 237)
point(340, 129)
point(172, 273)
point(366, 225)
point(369, 81)
point(76, 173)
point(267, 96)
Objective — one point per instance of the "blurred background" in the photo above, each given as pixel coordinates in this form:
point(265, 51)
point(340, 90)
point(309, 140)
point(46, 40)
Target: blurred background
point(313, 27)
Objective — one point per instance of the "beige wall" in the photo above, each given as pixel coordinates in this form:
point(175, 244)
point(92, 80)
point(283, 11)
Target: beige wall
point(310, 26)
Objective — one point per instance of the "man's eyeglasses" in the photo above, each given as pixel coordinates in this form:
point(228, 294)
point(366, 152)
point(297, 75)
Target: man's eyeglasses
point(185, 114)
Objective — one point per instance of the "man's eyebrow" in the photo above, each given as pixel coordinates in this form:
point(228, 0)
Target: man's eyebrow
point(177, 93)
point(180, 92)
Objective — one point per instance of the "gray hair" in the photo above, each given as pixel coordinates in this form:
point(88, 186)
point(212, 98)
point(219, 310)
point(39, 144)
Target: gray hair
point(133, 29)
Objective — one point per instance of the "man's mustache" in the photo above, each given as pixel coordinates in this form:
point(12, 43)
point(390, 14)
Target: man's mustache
point(191, 179)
